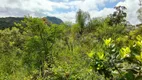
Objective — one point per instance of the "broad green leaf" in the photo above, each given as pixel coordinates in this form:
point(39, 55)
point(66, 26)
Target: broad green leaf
point(108, 41)
point(101, 55)
point(139, 38)
point(91, 54)
point(139, 43)
point(139, 57)
point(125, 52)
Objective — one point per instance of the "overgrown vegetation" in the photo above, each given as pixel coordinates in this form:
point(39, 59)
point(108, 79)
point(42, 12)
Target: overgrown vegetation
point(90, 49)
point(8, 22)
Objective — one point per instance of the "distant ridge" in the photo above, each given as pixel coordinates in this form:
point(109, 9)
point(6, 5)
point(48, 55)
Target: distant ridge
point(54, 20)
point(9, 21)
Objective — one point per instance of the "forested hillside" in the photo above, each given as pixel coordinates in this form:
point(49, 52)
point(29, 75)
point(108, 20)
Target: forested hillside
point(8, 22)
point(90, 49)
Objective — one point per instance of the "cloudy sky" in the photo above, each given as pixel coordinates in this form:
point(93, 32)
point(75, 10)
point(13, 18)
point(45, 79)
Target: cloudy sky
point(66, 9)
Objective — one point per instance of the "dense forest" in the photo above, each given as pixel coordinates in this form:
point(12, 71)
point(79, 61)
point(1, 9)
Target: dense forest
point(8, 22)
point(107, 48)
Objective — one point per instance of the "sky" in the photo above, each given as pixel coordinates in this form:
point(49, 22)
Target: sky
point(66, 9)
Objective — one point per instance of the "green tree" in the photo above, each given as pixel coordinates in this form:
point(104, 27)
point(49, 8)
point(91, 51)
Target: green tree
point(115, 62)
point(140, 11)
point(40, 39)
point(82, 18)
point(11, 51)
point(118, 16)
point(140, 14)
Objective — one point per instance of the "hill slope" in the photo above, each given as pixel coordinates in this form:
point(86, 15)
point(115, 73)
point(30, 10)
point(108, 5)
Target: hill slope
point(9, 21)
point(54, 20)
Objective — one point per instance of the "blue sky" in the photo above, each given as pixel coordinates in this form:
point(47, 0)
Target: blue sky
point(66, 9)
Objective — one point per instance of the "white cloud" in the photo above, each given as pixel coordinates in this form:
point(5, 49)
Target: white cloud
point(102, 13)
point(90, 6)
point(113, 0)
point(132, 7)
point(46, 7)
point(68, 16)
point(33, 6)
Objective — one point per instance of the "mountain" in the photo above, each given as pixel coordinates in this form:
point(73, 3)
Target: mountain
point(54, 20)
point(9, 21)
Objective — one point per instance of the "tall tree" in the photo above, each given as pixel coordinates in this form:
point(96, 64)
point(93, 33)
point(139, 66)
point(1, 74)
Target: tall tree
point(39, 42)
point(82, 18)
point(140, 11)
point(118, 16)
